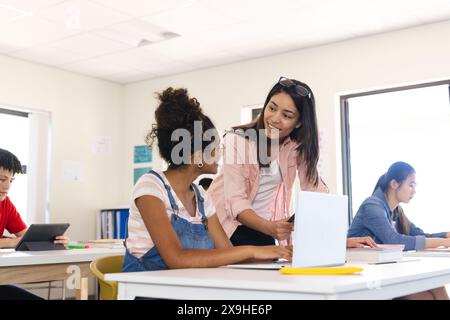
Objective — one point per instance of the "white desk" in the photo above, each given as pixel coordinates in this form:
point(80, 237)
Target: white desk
point(39, 266)
point(435, 254)
point(385, 281)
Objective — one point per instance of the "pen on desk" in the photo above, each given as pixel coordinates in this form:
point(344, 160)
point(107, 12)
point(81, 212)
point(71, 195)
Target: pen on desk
point(77, 246)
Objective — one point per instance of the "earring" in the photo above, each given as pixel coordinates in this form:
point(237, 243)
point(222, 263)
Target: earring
point(200, 165)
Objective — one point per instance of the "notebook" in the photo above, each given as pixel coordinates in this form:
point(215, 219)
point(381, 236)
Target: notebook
point(381, 254)
point(320, 231)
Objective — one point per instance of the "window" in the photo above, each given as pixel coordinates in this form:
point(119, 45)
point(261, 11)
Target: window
point(410, 124)
point(14, 137)
point(26, 133)
point(249, 113)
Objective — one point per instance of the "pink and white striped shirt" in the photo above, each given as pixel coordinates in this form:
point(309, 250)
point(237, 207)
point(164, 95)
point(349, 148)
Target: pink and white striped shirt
point(139, 240)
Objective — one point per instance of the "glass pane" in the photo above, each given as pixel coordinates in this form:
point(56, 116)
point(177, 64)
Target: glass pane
point(14, 137)
point(411, 126)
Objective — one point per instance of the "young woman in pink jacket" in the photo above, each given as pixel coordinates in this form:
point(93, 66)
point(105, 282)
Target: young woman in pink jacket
point(261, 161)
point(252, 196)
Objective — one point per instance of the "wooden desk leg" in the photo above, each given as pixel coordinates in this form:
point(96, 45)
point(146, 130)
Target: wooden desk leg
point(82, 293)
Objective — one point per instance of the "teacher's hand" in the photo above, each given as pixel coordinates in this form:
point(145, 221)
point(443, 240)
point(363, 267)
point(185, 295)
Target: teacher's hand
point(281, 229)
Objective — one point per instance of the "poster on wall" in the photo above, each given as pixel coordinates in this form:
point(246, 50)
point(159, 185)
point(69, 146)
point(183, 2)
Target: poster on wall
point(139, 172)
point(142, 159)
point(142, 154)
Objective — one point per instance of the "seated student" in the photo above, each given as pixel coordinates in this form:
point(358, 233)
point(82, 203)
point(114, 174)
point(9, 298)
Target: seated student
point(11, 220)
point(205, 183)
point(381, 217)
point(172, 222)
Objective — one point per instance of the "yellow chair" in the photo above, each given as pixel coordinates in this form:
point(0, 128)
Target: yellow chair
point(99, 267)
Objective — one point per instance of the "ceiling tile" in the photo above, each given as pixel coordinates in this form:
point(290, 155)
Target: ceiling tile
point(31, 31)
point(131, 76)
point(138, 8)
point(168, 68)
point(89, 45)
point(183, 47)
point(219, 58)
point(236, 35)
point(8, 13)
point(263, 49)
point(133, 32)
point(98, 66)
point(190, 19)
point(47, 55)
point(139, 58)
point(29, 5)
point(82, 15)
point(250, 9)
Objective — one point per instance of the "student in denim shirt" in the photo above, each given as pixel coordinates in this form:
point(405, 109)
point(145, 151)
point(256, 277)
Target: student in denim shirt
point(382, 218)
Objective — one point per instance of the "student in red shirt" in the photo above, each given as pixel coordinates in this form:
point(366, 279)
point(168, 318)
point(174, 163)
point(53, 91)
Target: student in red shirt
point(11, 221)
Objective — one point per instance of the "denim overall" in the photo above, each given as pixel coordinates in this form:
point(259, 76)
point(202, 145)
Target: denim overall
point(192, 236)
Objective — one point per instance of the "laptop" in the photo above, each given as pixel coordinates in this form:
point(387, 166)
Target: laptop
point(320, 233)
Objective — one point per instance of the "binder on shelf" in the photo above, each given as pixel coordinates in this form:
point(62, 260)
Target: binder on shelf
point(113, 223)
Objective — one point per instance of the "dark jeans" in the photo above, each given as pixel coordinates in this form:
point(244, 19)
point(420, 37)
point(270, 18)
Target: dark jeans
point(244, 236)
point(16, 293)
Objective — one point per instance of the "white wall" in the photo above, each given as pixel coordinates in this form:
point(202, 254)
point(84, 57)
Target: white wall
point(407, 56)
point(81, 108)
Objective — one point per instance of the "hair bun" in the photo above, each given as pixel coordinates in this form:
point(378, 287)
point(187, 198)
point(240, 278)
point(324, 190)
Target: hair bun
point(185, 110)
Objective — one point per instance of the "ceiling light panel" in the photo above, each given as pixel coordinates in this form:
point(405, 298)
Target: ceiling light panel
point(134, 32)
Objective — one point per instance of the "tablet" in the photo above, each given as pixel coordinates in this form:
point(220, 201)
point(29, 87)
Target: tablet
point(40, 237)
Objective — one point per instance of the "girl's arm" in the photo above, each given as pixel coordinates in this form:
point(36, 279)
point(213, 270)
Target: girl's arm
point(375, 220)
point(416, 231)
point(12, 242)
point(154, 214)
point(437, 242)
point(217, 233)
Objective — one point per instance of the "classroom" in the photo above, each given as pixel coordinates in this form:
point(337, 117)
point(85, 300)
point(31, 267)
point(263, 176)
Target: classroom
point(82, 80)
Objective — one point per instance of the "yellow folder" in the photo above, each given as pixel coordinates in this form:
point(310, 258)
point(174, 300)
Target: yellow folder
point(320, 271)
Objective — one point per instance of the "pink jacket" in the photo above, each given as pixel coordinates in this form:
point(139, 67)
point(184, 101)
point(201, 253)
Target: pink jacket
point(236, 185)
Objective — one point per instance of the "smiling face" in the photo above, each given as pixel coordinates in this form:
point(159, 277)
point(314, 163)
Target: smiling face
point(406, 190)
point(6, 178)
point(281, 114)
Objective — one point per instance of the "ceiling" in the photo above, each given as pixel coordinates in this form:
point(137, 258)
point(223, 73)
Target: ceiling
point(131, 40)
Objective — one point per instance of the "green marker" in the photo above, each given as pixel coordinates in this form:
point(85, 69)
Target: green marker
point(77, 246)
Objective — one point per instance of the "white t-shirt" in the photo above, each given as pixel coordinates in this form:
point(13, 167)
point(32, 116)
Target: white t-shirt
point(139, 240)
point(269, 181)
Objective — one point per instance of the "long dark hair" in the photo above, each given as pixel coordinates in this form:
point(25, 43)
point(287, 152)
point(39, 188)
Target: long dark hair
point(398, 171)
point(306, 135)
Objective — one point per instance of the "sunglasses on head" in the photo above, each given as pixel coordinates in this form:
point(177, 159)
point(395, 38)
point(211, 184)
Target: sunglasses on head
point(299, 89)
